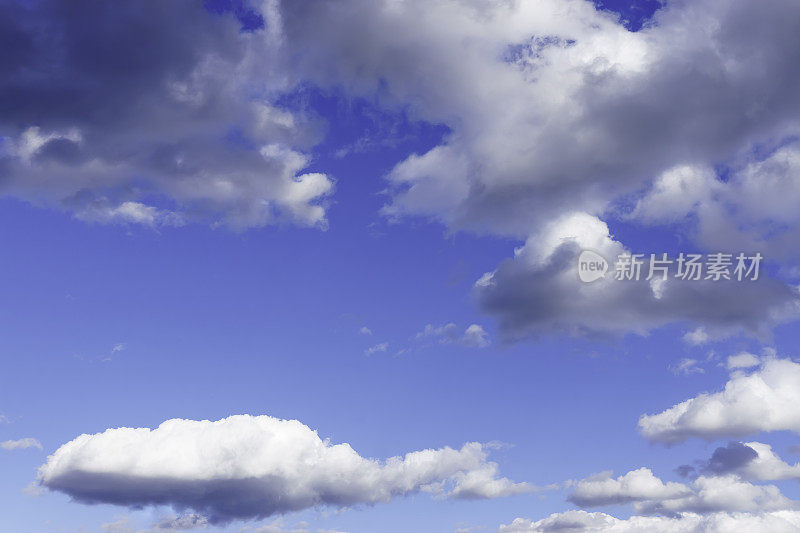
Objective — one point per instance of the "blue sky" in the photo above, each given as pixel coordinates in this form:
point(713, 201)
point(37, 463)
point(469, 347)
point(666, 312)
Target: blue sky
point(226, 222)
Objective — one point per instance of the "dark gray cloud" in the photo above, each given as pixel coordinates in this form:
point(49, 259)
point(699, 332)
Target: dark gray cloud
point(165, 108)
point(539, 292)
point(729, 458)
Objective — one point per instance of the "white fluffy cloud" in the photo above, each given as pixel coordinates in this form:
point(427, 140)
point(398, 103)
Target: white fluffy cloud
point(764, 400)
point(753, 208)
point(256, 466)
point(538, 291)
point(649, 495)
point(547, 101)
point(583, 522)
point(635, 486)
point(767, 465)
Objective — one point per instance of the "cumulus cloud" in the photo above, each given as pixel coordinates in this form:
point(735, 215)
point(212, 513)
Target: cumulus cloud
point(546, 101)
point(706, 494)
point(20, 444)
point(475, 336)
point(153, 114)
point(580, 521)
point(753, 461)
point(538, 291)
point(763, 400)
point(752, 208)
point(255, 466)
point(724, 493)
point(635, 486)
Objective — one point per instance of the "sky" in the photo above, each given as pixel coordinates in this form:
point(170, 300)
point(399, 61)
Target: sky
point(315, 266)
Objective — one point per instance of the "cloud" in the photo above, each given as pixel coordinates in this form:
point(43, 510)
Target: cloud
point(184, 522)
point(754, 461)
point(246, 467)
point(696, 337)
point(378, 348)
point(551, 99)
point(635, 486)
point(742, 360)
point(706, 494)
point(581, 521)
point(715, 494)
point(729, 459)
point(119, 525)
point(445, 334)
point(20, 444)
point(365, 330)
point(546, 101)
point(473, 336)
point(750, 209)
point(181, 522)
point(688, 366)
point(278, 527)
point(764, 400)
point(153, 115)
point(538, 292)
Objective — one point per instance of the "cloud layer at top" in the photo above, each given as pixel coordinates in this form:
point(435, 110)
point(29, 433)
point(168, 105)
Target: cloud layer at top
point(157, 114)
point(256, 466)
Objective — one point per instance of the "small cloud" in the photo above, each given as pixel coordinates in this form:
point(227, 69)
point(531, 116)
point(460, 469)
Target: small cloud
point(696, 337)
point(117, 348)
point(687, 366)
point(743, 360)
point(686, 471)
point(382, 347)
point(20, 444)
point(446, 333)
point(120, 525)
point(475, 336)
point(33, 489)
point(181, 523)
point(365, 330)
